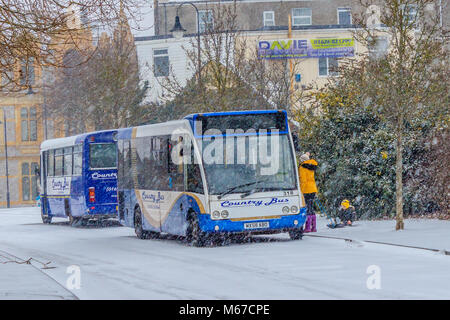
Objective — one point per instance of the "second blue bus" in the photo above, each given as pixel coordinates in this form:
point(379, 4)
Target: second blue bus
point(78, 177)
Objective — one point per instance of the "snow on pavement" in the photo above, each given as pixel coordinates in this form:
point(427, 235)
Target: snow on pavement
point(115, 264)
point(23, 281)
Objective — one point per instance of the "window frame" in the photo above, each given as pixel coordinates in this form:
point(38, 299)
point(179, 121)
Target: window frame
point(329, 74)
point(202, 21)
point(27, 72)
point(301, 16)
point(28, 180)
point(406, 11)
point(344, 9)
point(272, 20)
point(26, 123)
point(160, 55)
point(374, 51)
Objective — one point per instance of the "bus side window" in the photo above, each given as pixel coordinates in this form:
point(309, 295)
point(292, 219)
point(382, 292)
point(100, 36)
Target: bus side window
point(50, 163)
point(59, 158)
point(127, 177)
point(194, 177)
point(77, 160)
point(175, 171)
point(120, 172)
point(68, 161)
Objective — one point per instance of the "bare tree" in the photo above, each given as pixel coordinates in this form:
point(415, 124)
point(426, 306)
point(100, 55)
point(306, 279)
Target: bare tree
point(104, 93)
point(403, 76)
point(32, 31)
point(232, 75)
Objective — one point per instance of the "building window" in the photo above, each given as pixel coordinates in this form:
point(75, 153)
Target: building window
point(7, 77)
point(344, 16)
point(205, 20)
point(269, 18)
point(161, 62)
point(328, 67)
point(410, 15)
point(28, 124)
point(301, 16)
point(29, 181)
point(378, 47)
point(27, 71)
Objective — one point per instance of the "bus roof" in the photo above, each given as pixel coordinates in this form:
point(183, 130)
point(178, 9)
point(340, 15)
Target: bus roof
point(69, 141)
point(163, 128)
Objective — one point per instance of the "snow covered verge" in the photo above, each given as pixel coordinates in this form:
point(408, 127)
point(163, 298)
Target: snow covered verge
point(23, 281)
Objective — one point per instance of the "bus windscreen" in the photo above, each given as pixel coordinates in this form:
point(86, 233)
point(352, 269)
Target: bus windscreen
point(240, 123)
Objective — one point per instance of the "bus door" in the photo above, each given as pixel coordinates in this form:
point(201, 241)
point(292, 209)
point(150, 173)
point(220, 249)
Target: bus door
point(43, 181)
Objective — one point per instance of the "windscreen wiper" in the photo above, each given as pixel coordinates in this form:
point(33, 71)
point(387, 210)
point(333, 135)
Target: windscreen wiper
point(262, 189)
point(246, 194)
point(220, 196)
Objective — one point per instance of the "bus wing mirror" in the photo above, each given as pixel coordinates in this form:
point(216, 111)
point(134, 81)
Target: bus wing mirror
point(295, 140)
point(37, 172)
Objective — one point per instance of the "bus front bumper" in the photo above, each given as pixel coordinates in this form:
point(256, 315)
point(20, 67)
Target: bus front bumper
point(257, 225)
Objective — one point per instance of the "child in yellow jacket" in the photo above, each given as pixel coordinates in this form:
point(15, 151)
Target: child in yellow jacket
point(309, 189)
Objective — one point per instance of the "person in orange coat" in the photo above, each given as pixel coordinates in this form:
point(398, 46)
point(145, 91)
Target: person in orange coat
point(309, 189)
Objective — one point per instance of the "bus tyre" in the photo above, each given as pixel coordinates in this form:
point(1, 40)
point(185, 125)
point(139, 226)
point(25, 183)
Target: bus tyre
point(138, 229)
point(296, 234)
point(46, 219)
point(74, 221)
point(195, 236)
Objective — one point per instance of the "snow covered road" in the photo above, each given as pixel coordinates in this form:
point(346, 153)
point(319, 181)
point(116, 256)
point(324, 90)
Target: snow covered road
point(114, 264)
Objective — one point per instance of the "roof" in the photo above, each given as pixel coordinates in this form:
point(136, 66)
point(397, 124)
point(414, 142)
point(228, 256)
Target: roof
point(68, 141)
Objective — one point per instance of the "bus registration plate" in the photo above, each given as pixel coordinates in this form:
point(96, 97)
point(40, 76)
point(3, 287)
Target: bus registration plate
point(256, 225)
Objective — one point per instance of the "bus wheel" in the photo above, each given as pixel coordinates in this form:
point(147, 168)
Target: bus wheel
point(296, 234)
point(73, 221)
point(46, 219)
point(194, 235)
point(140, 233)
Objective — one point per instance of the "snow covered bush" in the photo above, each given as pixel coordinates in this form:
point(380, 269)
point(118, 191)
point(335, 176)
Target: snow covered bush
point(355, 149)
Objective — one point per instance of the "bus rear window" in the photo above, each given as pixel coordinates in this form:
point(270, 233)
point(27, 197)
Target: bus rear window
point(103, 155)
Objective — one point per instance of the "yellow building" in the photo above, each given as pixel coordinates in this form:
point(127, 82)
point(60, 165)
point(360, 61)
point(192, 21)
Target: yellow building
point(26, 124)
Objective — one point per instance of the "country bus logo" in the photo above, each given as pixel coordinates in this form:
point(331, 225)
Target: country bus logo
point(151, 197)
point(255, 203)
point(60, 185)
point(99, 176)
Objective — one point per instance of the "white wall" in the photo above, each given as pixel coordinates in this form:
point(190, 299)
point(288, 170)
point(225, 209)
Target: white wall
point(177, 59)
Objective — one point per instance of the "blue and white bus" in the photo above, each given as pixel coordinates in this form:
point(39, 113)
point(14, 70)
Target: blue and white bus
point(209, 175)
point(79, 177)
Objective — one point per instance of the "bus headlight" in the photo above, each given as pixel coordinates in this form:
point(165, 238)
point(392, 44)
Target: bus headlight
point(294, 209)
point(285, 209)
point(224, 214)
point(216, 214)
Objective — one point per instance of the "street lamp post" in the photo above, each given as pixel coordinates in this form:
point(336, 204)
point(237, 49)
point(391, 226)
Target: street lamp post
point(178, 32)
point(8, 204)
